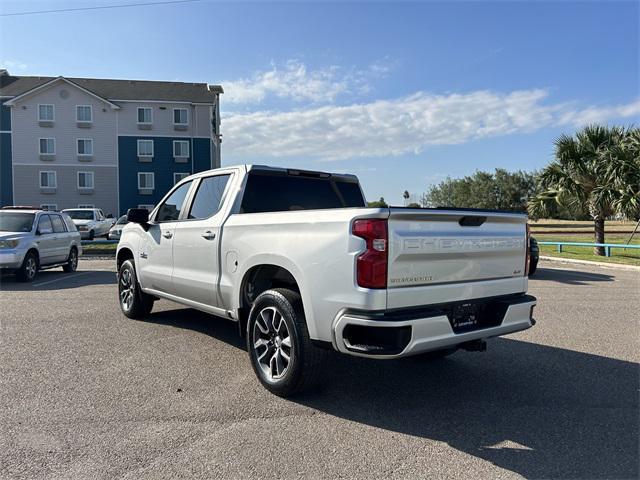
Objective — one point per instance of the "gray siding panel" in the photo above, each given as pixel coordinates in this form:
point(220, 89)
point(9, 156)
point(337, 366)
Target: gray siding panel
point(67, 195)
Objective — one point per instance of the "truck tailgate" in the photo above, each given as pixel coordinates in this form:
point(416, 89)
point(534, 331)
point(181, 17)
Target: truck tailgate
point(450, 255)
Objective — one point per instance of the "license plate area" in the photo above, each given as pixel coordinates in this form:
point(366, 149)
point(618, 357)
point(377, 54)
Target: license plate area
point(471, 316)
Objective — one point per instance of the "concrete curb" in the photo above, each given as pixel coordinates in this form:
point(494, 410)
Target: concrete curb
point(618, 266)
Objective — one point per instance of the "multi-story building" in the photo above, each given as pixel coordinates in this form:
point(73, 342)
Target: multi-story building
point(109, 144)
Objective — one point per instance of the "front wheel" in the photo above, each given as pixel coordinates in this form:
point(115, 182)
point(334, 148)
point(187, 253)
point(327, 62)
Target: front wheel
point(92, 235)
point(134, 303)
point(281, 352)
point(29, 268)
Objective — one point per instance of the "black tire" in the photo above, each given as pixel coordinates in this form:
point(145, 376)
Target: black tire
point(72, 261)
point(304, 368)
point(533, 266)
point(133, 302)
point(92, 235)
point(29, 268)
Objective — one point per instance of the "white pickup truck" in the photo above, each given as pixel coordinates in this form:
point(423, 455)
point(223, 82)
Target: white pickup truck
point(299, 261)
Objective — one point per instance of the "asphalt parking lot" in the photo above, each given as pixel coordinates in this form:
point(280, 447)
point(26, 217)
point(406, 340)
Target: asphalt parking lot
point(87, 394)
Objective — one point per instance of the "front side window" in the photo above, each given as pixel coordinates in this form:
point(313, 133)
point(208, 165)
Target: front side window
point(85, 179)
point(180, 116)
point(146, 180)
point(16, 221)
point(47, 146)
point(171, 207)
point(44, 224)
point(85, 146)
point(208, 199)
point(145, 148)
point(58, 224)
point(48, 180)
point(45, 113)
point(84, 113)
point(144, 115)
point(180, 148)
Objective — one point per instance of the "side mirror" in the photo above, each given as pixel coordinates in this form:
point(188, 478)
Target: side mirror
point(138, 215)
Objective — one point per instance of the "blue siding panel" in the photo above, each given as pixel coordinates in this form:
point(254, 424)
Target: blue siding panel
point(6, 172)
point(201, 154)
point(5, 116)
point(163, 166)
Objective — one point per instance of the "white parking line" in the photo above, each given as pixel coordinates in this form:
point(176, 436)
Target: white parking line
point(67, 277)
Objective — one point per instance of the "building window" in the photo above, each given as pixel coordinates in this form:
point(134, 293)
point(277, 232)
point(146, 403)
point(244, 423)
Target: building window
point(180, 148)
point(145, 148)
point(48, 180)
point(145, 115)
point(86, 205)
point(47, 146)
point(45, 113)
point(85, 179)
point(146, 180)
point(180, 116)
point(84, 113)
point(179, 176)
point(148, 207)
point(51, 207)
point(85, 146)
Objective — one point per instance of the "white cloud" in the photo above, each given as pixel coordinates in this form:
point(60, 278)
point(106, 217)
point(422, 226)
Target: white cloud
point(12, 65)
point(400, 126)
point(295, 81)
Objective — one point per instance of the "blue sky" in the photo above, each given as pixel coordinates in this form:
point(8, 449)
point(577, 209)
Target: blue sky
point(402, 94)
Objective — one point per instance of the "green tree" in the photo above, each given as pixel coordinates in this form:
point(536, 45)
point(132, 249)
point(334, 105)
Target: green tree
point(380, 203)
point(598, 169)
point(501, 190)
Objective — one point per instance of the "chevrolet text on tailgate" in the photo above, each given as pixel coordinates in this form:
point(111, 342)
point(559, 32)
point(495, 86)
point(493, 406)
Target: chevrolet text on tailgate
point(302, 265)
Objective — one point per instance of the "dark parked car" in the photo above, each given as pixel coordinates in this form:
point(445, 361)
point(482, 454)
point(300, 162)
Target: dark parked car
point(534, 255)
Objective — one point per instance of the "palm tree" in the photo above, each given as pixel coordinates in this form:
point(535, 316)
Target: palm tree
point(598, 168)
point(406, 196)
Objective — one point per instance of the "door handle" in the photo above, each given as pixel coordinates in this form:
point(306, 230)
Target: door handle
point(209, 235)
point(167, 234)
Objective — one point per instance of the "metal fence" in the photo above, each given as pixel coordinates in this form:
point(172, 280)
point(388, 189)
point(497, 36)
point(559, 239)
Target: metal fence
point(607, 246)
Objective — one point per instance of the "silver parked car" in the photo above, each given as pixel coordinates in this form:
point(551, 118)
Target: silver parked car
point(32, 240)
point(90, 222)
point(116, 230)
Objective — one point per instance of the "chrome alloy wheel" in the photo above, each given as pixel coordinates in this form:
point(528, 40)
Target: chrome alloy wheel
point(272, 343)
point(127, 289)
point(30, 267)
point(73, 260)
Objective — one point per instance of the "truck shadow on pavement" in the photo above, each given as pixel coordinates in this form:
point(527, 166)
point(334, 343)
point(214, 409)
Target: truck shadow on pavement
point(539, 411)
point(570, 277)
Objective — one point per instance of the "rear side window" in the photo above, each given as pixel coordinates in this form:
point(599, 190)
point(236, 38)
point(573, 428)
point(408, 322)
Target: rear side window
point(71, 227)
point(208, 198)
point(170, 208)
point(58, 224)
point(277, 193)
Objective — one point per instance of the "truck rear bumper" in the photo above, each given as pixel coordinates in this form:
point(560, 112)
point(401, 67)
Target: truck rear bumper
point(410, 332)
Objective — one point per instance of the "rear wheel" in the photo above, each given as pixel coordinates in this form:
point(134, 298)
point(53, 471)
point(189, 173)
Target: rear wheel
point(281, 352)
point(29, 268)
point(72, 261)
point(134, 303)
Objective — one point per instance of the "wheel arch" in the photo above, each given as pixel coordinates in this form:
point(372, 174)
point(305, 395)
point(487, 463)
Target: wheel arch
point(259, 278)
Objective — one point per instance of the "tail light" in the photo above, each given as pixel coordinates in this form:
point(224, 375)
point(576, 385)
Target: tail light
point(371, 265)
point(528, 257)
